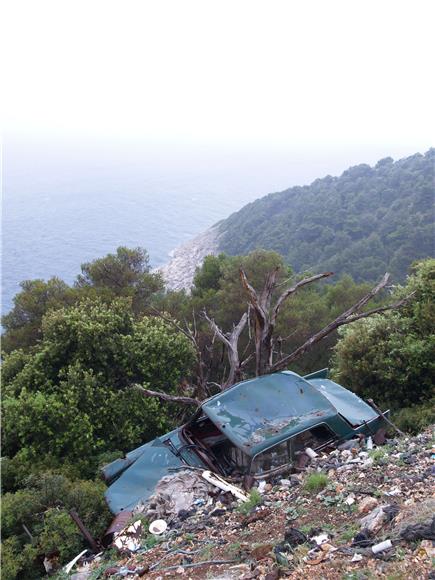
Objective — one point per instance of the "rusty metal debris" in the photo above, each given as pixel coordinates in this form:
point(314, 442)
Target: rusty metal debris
point(299, 532)
point(253, 431)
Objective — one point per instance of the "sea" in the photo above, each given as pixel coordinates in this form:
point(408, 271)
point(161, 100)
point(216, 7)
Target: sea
point(65, 204)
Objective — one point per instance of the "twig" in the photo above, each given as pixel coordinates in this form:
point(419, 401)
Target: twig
point(382, 415)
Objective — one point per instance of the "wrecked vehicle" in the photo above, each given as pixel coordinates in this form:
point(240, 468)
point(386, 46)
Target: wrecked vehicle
point(258, 428)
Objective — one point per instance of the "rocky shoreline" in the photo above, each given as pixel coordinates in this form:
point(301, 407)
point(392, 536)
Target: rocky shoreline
point(179, 272)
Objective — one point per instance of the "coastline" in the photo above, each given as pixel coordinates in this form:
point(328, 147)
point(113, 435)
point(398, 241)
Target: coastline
point(179, 272)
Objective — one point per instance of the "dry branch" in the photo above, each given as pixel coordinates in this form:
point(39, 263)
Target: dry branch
point(350, 315)
point(293, 289)
point(166, 397)
point(265, 317)
point(230, 340)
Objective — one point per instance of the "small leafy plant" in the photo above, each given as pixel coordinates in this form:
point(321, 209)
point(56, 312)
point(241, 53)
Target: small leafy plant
point(253, 500)
point(316, 482)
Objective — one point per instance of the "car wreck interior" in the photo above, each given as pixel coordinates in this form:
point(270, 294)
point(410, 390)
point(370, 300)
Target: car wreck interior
point(223, 456)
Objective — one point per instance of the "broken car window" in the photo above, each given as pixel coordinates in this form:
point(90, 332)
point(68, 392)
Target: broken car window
point(287, 451)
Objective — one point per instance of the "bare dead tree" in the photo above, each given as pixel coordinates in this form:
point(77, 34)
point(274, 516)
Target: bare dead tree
point(265, 316)
point(231, 342)
point(351, 315)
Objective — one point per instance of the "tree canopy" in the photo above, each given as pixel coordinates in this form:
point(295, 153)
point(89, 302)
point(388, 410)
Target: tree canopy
point(367, 221)
point(390, 357)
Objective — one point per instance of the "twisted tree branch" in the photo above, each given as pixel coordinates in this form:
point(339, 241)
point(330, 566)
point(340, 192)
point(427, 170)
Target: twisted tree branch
point(166, 397)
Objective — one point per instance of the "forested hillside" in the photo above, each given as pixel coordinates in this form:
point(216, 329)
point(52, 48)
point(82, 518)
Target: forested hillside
point(365, 222)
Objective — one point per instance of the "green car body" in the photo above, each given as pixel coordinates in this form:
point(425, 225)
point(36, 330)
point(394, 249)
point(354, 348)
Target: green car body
point(255, 428)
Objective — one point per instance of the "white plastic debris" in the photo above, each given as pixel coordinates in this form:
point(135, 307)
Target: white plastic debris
point(129, 537)
point(357, 558)
point(369, 443)
point(262, 486)
point(73, 562)
point(349, 500)
point(320, 539)
point(224, 485)
point(393, 491)
point(382, 546)
point(311, 453)
point(158, 527)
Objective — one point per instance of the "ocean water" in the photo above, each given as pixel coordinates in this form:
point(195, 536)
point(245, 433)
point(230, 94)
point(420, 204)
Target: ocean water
point(51, 226)
point(66, 205)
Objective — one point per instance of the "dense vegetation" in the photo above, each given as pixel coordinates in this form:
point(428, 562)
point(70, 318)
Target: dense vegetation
point(391, 357)
point(367, 221)
point(71, 355)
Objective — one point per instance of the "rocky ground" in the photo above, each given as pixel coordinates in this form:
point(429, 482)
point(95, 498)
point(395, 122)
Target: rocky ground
point(323, 523)
point(178, 273)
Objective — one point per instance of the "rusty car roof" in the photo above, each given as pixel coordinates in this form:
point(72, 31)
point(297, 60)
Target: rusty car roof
point(256, 413)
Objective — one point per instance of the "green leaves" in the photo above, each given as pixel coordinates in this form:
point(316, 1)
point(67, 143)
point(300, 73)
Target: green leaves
point(390, 357)
point(366, 222)
point(70, 400)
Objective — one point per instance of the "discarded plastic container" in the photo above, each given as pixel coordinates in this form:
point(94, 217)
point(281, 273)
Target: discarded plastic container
point(262, 486)
point(369, 443)
point(377, 548)
point(157, 527)
point(311, 453)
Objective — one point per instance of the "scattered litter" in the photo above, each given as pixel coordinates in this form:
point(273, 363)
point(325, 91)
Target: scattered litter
point(419, 532)
point(320, 539)
point(294, 537)
point(393, 491)
point(262, 486)
point(224, 485)
point(51, 564)
point(311, 453)
point(427, 546)
point(68, 567)
point(211, 527)
point(369, 443)
point(158, 527)
point(129, 538)
point(173, 493)
point(382, 547)
point(362, 539)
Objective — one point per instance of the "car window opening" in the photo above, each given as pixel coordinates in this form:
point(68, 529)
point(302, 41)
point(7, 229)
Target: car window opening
point(215, 448)
point(288, 451)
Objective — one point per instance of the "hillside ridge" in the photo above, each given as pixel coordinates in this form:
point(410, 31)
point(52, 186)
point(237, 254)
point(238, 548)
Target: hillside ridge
point(364, 222)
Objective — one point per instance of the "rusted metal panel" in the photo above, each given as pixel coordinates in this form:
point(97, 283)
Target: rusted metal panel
point(254, 416)
point(118, 524)
point(353, 409)
point(257, 413)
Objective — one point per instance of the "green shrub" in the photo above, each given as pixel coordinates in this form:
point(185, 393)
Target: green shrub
point(253, 500)
point(316, 481)
point(390, 357)
point(43, 506)
point(60, 535)
point(415, 419)
point(18, 561)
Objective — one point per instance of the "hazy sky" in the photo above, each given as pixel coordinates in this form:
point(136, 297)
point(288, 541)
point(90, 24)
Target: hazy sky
point(329, 73)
